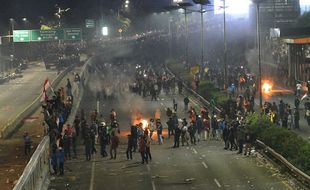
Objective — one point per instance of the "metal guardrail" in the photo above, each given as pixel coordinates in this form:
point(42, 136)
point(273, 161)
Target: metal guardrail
point(16, 122)
point(36, 173)
point(196, 95)
point(305, 178)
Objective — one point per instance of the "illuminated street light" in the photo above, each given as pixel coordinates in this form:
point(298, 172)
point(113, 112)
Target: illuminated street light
point(126, 5)
point(24, 19)
point(104, 31)
point(127, 1)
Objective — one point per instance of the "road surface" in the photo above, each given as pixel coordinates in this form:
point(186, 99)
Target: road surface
point(202, 166)
point(17, 94)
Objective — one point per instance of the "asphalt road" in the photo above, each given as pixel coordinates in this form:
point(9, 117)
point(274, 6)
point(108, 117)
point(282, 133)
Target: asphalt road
point(203, 166)
point(17, 94)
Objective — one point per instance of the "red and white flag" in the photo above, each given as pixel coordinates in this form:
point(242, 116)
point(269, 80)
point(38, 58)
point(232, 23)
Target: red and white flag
point(46, 85)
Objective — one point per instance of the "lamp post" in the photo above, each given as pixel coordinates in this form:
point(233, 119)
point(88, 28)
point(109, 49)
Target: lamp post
point(257, 2)
point(225, 48)
point(184, 6)
point(202, 3)
point(12, 24)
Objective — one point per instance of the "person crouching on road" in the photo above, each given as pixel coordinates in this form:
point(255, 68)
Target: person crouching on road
point(142, 149)
point(114, 145)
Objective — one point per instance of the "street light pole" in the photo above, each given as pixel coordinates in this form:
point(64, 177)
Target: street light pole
point(186, 33)
point(202, 35)
point(259, 56)
point(257, 2)
point(225, 49)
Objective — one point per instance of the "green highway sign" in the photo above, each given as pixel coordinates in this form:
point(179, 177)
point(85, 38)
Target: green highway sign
point(21, 36)
point(90, 23)
point(47, 35)
point(73, 34)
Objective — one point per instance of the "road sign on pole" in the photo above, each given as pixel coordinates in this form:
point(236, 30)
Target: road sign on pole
point(73, 34)
point(90, 23)
point(21, 36)
point(47, 35)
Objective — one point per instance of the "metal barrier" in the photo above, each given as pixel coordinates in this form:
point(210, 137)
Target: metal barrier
point(15, 123)
point(36, 173)
point(302, 176)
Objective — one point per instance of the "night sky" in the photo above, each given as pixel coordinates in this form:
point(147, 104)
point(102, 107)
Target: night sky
point(80, 9)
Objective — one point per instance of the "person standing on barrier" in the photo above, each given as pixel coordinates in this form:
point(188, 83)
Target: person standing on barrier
point(27, 143)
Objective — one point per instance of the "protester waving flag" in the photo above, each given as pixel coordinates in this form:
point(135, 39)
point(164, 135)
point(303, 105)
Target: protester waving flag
point(46, 85)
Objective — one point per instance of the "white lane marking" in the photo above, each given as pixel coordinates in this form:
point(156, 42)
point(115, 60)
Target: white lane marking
point(91, 185)
point(153, 185)
point(204, 165)
point(195, 151)
point(152, 181)
point(217, 183)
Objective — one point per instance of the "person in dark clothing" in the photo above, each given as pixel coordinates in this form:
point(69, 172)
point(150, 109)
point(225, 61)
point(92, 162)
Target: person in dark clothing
point(148, 145)
point(240, 139)
point(296, 118)
point(27, 143)
point(297, 102)
point(113, 145)
point(130, 146)
point(180, 86)
point(142, 149)
point(225, 137)
point(102, 132)
point(134, 135)
point(175, 105)
point(93, 137)
point(67, 145)
point(54, 161)
point(87, 143)
point(186, 102)
point(231, 138)
point(192, 131)
point(170, 124)
point(76, 125)
point(61, 160)
point(177, 137)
